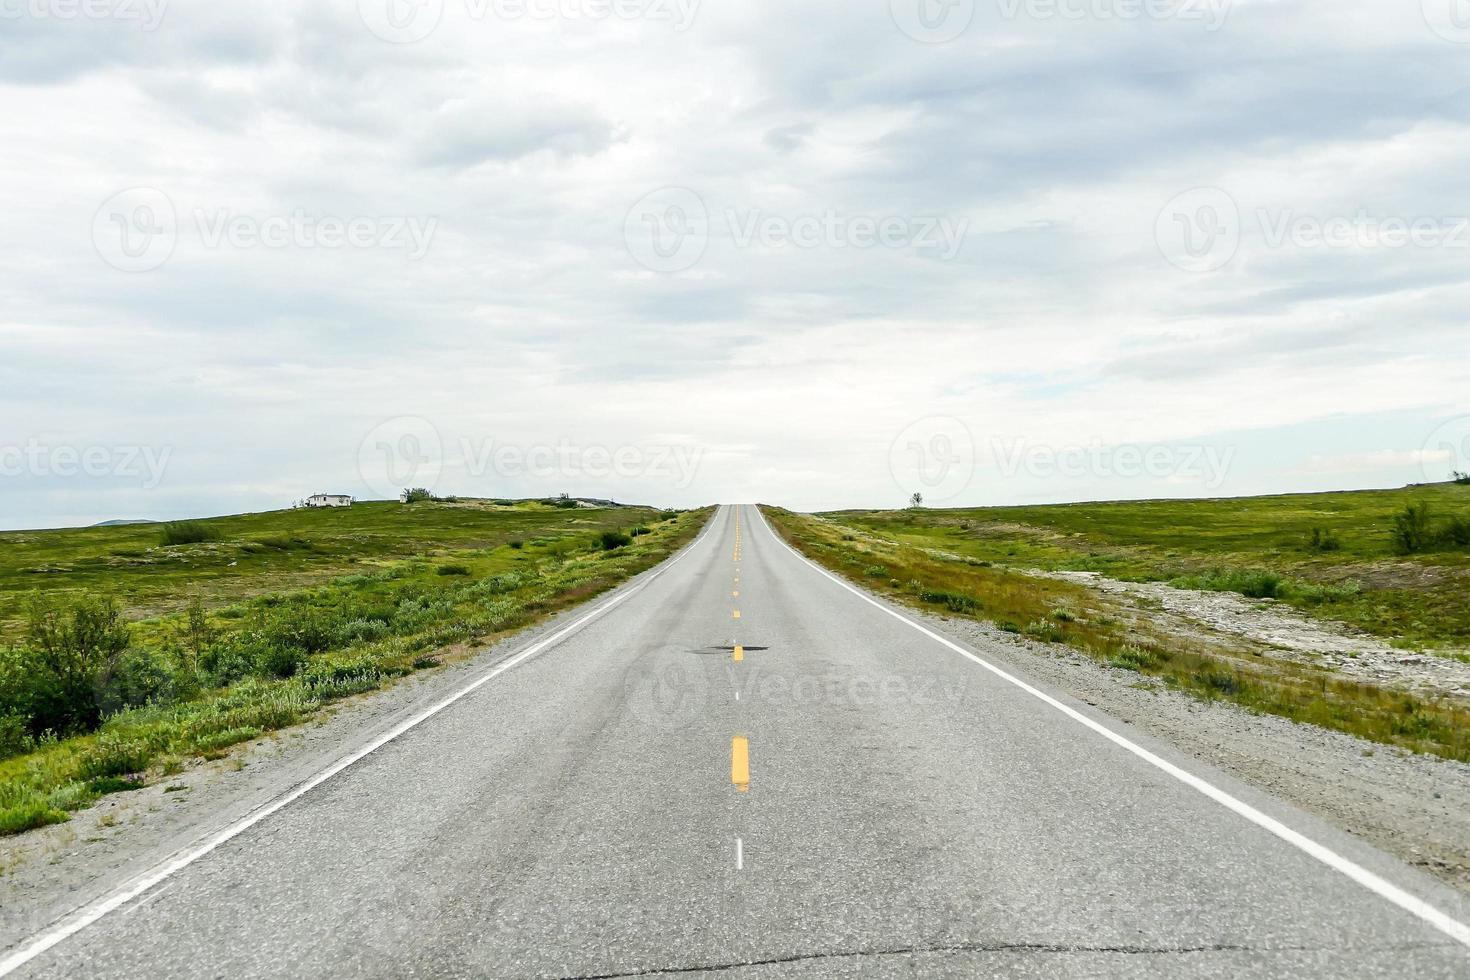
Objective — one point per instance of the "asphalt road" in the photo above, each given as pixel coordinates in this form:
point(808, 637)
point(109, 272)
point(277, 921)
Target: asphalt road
point(843, 796)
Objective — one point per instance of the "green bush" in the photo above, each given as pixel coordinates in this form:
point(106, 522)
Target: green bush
point(1411, 529)
point(1134, 658)
point(414, 495)
point(56, 680)
point(1254, 583)
point(1456, 532)
point(612, 540)
point(15, 737)
point(452, 570)
point(187, 532)
point(28, 814)
point(114, 755)
point(138, 677)
point(1323, 539)
point(284, 542)
point(953, 601)
point(639, 531)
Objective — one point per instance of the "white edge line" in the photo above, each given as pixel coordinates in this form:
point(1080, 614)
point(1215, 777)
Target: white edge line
point(76, 921)
point(1451, 927)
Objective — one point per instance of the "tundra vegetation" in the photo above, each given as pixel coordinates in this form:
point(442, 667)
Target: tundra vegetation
point(1335, 556)
point(124, 651)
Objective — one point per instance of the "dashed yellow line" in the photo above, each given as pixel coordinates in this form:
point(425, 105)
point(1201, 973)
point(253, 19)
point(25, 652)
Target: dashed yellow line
point(739, 653)
point(740, 763)
point(735, 614)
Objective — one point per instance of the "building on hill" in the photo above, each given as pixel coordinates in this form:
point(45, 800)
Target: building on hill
point(328, 500)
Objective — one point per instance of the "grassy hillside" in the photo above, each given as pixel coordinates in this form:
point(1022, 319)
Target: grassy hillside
point(252, 554)
point(126, 650)
point(1332, 554)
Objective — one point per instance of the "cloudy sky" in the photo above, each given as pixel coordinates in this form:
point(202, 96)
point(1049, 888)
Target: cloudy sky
point(812, 252)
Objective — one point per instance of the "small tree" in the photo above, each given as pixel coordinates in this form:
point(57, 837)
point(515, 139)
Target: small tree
point(414, 494)
point(916, 499)
point(1460, 478)
point(1411, 531)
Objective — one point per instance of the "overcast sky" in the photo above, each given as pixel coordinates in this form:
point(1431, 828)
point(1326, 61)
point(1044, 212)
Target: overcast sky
point(812, 252)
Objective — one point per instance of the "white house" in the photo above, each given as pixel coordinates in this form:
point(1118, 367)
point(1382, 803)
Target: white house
point(328, 500)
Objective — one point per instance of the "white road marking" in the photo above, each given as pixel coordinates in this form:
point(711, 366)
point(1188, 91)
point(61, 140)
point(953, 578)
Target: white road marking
point(88, 914)
point(1412, 904)
point(739, 854)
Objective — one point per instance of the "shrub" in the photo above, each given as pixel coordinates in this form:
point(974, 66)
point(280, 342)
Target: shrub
point(1134, 658)
point(1411, 528)
point(114, 755)
point(453, 570)
point(271, 660)
point(187, 532)
point(1463, 479)
point(1323, 539)
point(283, 542)
point(517, 545)
point(15, 738)
point(415, 494)
point(1254, 583)
point(612, 540)
point(639, 531)
point(1045, 630)
point(53, 682)
point(138, 677)
point(28, 814)
point(1315, 593)
point(1456, 532)
point(953, 601)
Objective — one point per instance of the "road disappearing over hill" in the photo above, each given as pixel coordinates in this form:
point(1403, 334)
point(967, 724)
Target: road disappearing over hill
point(739, 763)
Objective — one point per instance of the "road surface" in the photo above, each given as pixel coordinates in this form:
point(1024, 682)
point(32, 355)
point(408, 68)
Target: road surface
point(740, 766)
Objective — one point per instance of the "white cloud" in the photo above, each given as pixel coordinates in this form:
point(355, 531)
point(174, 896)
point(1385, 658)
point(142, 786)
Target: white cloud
point(529, 320)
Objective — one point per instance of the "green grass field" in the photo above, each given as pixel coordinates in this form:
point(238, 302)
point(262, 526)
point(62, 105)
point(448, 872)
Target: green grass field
point(1353, 573)
point(122, 655)
point(252, 554)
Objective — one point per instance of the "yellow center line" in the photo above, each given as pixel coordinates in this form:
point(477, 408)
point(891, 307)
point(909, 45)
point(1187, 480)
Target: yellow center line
point(740, 763)
point(736, 614)
point(739, 653)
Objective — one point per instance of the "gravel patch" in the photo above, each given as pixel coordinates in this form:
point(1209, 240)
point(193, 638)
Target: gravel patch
point(1284, 632)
